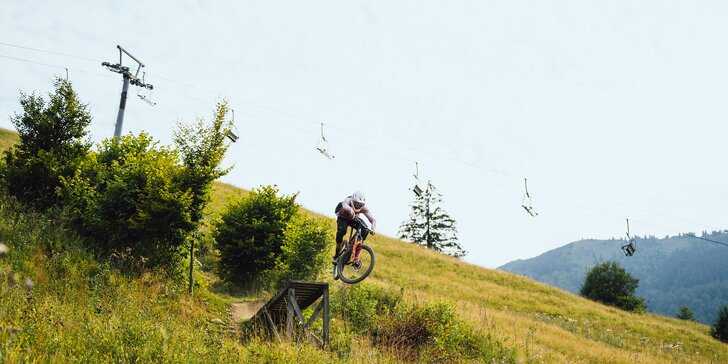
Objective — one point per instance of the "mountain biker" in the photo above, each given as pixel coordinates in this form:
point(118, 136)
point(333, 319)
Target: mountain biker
point(345, 213)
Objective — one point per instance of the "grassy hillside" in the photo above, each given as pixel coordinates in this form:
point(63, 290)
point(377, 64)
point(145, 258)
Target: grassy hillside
point(672, 271)
point(7, 139)
point(544, 323)
point(82, 310)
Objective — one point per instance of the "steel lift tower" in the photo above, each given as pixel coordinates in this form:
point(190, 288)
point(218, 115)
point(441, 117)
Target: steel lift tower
point(128, 79)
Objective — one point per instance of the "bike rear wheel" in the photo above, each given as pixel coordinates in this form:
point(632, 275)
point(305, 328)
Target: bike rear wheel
point(356, 272)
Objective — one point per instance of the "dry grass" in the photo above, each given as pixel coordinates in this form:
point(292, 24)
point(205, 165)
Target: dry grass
point(542, 323)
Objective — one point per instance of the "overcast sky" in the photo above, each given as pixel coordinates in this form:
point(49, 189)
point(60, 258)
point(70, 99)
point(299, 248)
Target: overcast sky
point(611, 109)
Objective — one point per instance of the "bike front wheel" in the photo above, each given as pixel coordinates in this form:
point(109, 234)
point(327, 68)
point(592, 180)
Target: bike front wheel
point(360, 269)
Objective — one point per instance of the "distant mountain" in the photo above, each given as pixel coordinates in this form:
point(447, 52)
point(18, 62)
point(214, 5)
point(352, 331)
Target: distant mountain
point(672, 271)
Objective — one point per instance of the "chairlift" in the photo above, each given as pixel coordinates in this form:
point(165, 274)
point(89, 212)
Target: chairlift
point(526, 202)
point(416, 189)
point(631, 247)
point(148, 97)
point(233, 135)
point(323, 145)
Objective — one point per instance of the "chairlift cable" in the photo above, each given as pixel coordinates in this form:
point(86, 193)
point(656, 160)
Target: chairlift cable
point(50, 52)
point(363, 147)
point(473, 165)
point(55, 66)
point(701, 238)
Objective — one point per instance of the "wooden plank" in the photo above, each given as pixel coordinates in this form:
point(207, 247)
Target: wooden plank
point(273, 326)
point(314, 339)
point(297, 310)
point(293, 304)
point(289, 316)
point(325, 302)
point(315, 313)
point(290, 301)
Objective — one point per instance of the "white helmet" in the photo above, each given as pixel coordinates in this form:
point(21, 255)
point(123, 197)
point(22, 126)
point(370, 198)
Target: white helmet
point(359, 198)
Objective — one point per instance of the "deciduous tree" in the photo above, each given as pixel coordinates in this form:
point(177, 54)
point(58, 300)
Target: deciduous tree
point(250, 233)
point(610, 284)
point(53, 141)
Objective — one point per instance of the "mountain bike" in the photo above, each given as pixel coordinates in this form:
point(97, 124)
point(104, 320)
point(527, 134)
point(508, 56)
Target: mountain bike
point(356, 261)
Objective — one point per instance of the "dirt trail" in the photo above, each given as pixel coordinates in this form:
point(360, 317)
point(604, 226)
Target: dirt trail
point(245, 310)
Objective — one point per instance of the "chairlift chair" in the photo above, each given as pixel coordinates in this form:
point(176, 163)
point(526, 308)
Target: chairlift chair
point(631, 247)
point(526, 201)
point(233, 135)
point(148, 97)
point(416, 189)
point(323, 145)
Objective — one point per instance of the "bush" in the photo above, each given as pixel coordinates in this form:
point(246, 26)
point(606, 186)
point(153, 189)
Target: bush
point(434, 333)
point(685, 313)
point(53, 141)
point(202, 147)
point(610, 284)
point(303, 252)
point(719, 330)
point(250, 233)
point(360, 304)
point(80, 310)
point(429, 333)
point(128, 201)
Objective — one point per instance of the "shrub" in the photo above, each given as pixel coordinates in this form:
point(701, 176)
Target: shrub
point(685, 313)
point(250, 233)
point(719, 330)
point(303, 252)
point(360, 304)
point(434, 333)
point(610, 284)
point(202, 147)
point(128, 201)
point(53, 141)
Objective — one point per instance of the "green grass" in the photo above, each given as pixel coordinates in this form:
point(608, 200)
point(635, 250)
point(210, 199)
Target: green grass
point(542, 322)
point(81, 310)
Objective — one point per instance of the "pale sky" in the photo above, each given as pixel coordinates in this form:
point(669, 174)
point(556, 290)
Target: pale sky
point(611, 109)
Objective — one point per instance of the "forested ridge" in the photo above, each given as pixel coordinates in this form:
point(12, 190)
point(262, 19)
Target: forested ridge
point(673, 271)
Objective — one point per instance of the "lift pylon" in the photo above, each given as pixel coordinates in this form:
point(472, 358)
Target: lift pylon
point(129, 78)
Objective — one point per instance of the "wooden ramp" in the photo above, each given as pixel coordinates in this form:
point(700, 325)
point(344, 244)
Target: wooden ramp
point(284, 311)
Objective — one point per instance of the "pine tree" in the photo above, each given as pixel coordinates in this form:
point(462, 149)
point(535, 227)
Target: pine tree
point(685, 314)
point(430, 225)
point(719, 330)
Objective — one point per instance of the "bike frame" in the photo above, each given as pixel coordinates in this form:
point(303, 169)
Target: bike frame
point(356, 246)
point(358, 269)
